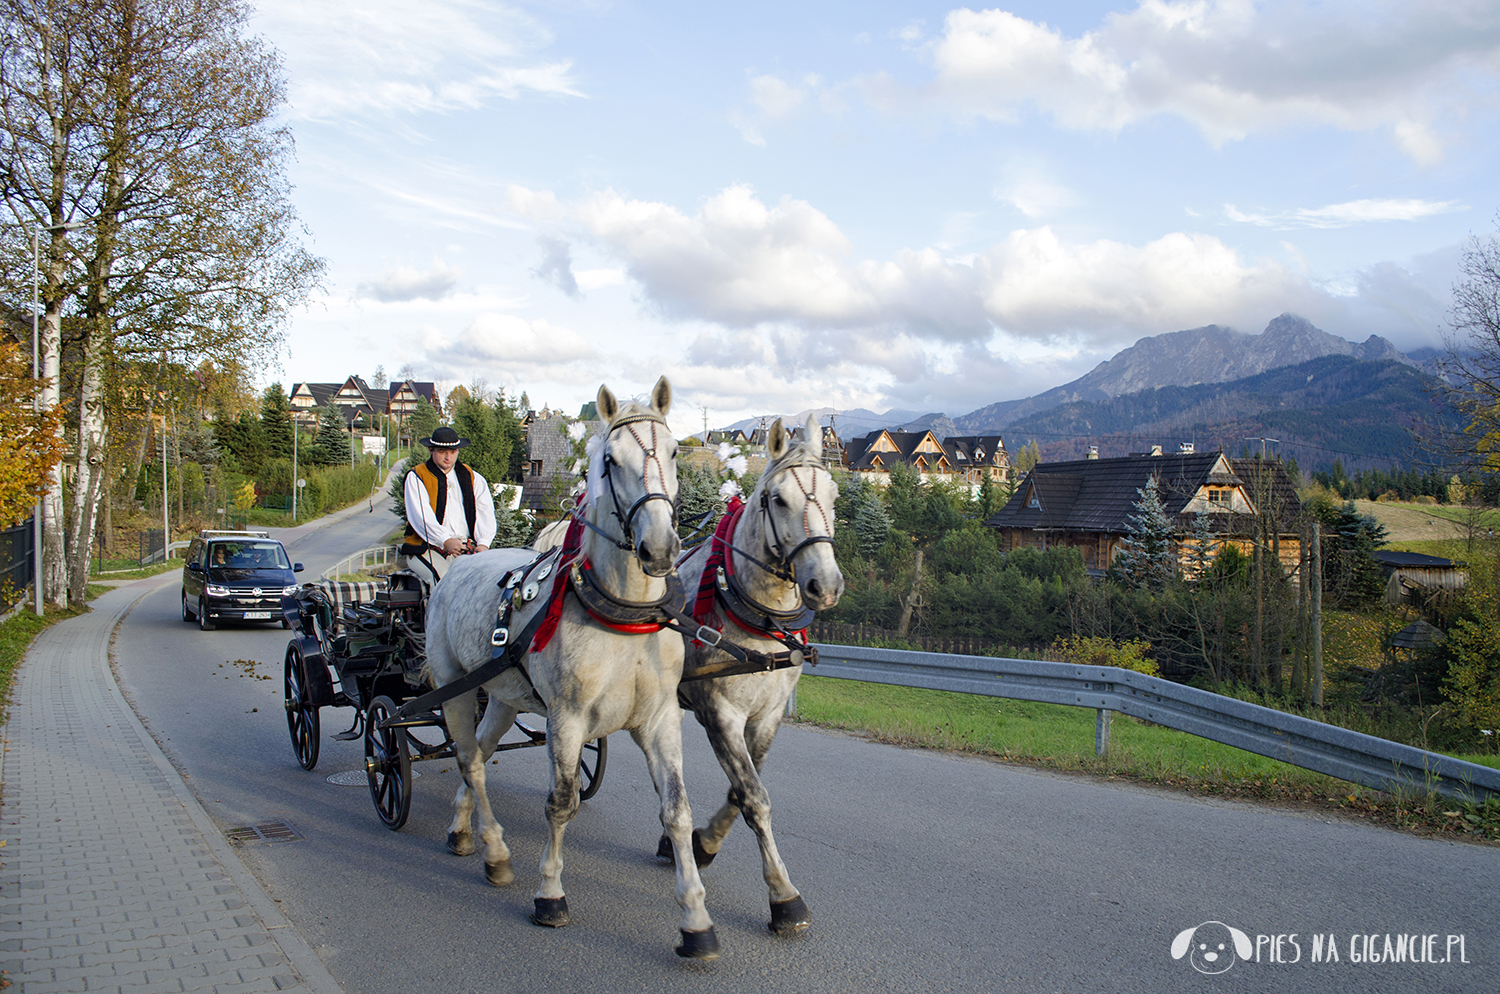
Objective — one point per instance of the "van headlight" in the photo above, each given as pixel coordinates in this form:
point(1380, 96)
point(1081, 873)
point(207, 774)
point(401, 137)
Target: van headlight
point(214, 590)
point(289, 591)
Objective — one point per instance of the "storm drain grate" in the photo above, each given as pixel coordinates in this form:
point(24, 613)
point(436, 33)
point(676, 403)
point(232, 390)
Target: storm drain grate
point(270, 831)
point(357, 778)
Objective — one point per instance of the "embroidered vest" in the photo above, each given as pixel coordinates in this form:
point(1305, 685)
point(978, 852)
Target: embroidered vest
point(435, 481)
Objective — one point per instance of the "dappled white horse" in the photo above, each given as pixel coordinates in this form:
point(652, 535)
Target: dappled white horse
point(758, 580)
point(606, 666)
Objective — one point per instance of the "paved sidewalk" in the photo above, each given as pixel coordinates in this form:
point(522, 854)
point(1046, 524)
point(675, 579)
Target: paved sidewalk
point(112, 876)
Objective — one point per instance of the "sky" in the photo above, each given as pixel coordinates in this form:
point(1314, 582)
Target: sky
point(784, 206)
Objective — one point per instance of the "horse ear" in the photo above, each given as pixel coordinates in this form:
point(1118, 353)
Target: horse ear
point(776, 441)
point(812, 433)
point(661, 396)
point(607, 406)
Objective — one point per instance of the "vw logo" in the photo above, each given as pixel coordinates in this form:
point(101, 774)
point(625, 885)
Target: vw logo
point(256, 591)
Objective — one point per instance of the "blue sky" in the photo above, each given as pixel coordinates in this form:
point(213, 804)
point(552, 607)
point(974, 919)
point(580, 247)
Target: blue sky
point(785, 206)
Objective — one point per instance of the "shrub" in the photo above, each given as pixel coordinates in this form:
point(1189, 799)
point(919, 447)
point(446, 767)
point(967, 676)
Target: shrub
point(1126, 654)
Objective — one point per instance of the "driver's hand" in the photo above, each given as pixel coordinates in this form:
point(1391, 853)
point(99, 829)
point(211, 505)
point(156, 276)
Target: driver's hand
point(453, 546)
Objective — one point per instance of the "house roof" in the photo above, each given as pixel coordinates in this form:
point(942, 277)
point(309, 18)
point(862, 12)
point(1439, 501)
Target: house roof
point(881, 449)
point(1099, 495)
point(964, 451)
point(1390, 557)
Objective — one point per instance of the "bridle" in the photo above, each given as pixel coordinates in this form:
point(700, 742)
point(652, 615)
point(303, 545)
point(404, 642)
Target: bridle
point(626, 518)
point(785, 567)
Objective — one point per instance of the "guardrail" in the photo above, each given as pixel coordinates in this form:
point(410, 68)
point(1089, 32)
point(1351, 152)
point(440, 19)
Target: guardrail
point(1312, 745)
point(157, 554)
point(375, 555)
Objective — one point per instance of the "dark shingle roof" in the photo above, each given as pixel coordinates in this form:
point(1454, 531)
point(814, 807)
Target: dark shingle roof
point(1390, 557)
point(1099, 495)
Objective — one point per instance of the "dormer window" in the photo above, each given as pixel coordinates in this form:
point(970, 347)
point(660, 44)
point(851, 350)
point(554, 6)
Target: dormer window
point(1220, 496)
point(1034, 500)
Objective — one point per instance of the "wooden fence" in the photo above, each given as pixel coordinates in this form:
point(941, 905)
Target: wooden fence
point(835, 633)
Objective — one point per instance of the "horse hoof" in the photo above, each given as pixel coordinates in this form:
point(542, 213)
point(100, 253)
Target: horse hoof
point(788, 917)
point(551, 912)
point(499, 874)
point(664, 850)
point(701, 856)
point(461, 845)
point(699, 945)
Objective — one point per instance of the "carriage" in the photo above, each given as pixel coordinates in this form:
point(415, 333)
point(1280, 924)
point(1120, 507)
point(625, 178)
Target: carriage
point(363, 645)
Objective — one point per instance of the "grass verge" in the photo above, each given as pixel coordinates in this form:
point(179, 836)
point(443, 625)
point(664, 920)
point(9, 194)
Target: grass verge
point(16, 636)
point(1056, 737)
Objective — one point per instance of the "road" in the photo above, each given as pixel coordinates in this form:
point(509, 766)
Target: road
point(924, 872)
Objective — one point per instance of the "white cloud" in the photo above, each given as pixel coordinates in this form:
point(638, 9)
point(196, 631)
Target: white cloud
point(517, 350)
point(772, 100)
point(1229, 67)
point(1346, 214)
point(403, 283)
point(1032, 191)
point(384, 56)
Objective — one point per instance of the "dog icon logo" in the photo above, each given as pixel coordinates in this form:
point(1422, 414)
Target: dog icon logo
point(1212, 947)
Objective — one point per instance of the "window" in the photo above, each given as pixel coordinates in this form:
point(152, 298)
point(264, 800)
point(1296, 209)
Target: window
point(1033, 500)
point(1219, 496)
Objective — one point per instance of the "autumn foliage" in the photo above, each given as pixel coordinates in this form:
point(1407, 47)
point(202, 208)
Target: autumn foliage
point(30, 443)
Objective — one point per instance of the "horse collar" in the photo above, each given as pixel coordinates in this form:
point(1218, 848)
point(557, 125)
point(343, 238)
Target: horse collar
point(635, 617)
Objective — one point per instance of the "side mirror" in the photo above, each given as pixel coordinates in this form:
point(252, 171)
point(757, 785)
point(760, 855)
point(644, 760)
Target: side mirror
point(195, 568)
point(296, 567)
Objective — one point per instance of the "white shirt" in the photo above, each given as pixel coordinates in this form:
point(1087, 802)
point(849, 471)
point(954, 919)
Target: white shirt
point(455, 523)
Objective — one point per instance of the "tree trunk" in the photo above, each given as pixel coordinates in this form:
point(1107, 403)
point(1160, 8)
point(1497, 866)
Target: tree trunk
point(1315, 609)
point(54, 521)
point(89, 472)
point(911, 598)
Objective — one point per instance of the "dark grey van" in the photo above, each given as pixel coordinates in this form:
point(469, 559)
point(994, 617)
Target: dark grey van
point(236, 576)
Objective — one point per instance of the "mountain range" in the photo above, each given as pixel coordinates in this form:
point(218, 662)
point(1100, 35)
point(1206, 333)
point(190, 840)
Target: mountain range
point(1322, 396)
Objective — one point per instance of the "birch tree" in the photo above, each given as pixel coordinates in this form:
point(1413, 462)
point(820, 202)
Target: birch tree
point(174, 155)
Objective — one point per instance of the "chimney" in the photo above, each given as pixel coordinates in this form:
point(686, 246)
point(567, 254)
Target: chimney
point(1156, 450)
point(1093, 452)
point(1185, 449)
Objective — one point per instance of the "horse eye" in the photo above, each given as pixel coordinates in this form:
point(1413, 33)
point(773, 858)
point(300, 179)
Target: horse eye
point(780, 500)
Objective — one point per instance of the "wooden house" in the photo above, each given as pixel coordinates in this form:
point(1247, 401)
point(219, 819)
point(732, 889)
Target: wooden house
point(960, 458)
point(1087, 504)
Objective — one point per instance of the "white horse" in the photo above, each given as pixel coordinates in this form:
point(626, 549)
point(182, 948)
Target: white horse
point(778, 567)
point(590, 679)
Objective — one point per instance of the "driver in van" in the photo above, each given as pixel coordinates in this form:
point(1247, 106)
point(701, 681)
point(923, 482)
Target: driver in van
point(449, 509)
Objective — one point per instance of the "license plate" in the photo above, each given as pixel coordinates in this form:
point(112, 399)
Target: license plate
point(257, 615)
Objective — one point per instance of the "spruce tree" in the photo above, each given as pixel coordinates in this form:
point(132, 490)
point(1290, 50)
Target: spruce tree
point(276, 422)
point(333, 437)
point(1148, 555)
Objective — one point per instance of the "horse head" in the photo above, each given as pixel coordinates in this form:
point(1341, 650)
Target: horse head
point(795, 498)
point(634, 478)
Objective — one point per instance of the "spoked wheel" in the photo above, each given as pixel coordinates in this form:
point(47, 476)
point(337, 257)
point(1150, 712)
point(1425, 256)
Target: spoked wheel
point(387, 764)
point(591, 767)
point(301, 715)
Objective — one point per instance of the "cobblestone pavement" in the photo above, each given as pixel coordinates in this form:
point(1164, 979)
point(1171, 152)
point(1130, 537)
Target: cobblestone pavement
point(112, 876)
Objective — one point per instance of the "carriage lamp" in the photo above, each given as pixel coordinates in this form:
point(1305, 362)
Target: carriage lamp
point(214, 590)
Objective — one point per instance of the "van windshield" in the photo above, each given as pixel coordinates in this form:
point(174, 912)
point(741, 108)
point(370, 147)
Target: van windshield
point(248, 555)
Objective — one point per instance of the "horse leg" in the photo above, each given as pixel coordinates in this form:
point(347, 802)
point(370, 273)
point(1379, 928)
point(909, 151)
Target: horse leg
point(472, 748)
point(564, 748)
point(458, 715)
point(662, 744)
point(788, 911)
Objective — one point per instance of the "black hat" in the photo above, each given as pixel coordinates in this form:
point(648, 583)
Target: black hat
point(444, 438)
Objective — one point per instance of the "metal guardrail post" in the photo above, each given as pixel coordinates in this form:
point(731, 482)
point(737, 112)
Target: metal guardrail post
point(1101, 731)
point(1312, 745)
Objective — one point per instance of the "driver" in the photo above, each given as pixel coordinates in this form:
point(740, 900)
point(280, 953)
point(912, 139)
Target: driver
point(449, 510)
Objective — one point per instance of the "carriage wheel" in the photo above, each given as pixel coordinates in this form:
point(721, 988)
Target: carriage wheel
point(387, 764)
point(301, 715)
point(591, 767)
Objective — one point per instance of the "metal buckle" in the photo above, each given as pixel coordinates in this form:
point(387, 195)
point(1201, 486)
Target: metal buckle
point(499, 637)
point(708, 636)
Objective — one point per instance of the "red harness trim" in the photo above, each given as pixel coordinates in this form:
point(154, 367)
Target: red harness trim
point(572, 546)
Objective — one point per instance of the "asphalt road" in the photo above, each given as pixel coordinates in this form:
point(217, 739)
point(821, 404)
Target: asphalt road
point(924, 872)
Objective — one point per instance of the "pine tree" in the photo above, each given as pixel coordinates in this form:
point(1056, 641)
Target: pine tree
point(276, 422)
point(333, 436)
point(1148, 555)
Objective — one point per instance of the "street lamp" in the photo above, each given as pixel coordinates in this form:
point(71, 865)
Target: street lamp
point(36, 375)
